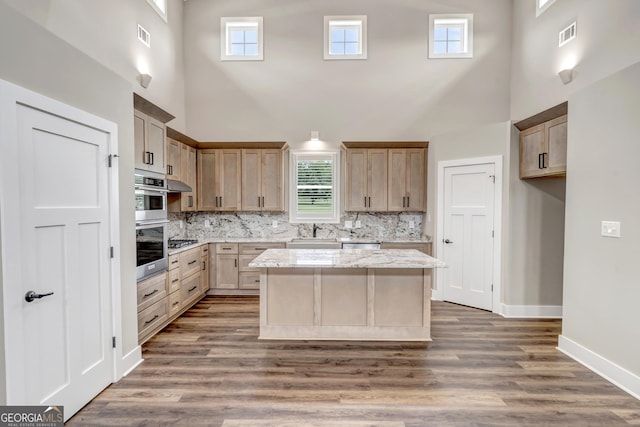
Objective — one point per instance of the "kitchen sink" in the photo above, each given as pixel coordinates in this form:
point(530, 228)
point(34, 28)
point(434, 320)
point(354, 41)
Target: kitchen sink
point(314, 243)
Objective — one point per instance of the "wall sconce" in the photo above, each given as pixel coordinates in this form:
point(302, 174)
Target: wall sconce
point(144, 79)
point(315, 135)
point(566, 75)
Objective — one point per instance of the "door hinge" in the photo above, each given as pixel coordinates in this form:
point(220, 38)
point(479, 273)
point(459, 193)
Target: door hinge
point(493, 233)
point(493, 178)
point(113, 342)
point(111, 251)
point(111, 157)
point(492, 287)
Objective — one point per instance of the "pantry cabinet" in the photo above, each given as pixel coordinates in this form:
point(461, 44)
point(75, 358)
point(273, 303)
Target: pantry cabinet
point(219, 179)
point(262, 180)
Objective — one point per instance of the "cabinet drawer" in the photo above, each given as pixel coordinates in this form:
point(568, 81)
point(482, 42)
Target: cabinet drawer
point(204, 250)
point(190, 262)
point(258, 248)
point(244, 263)
point(190, 289)
point(173, 261)
point(152, 290)
point(175, 303)
point(151, 317)
point(422, 247)
point(226, 248)
point(173, 279)
point(249, 280)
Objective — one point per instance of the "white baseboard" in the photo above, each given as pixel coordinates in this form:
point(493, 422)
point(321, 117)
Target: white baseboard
point(130, 361)
point(608, 370)
point(534, 311)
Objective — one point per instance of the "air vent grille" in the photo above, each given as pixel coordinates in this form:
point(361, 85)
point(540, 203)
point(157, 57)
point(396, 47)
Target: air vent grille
point(567, 34)
point(144, 36)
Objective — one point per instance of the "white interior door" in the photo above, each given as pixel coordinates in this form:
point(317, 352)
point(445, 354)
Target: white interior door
point(468, 234)
point(58, 348)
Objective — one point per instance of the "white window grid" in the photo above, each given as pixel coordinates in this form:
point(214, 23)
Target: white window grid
point(345, 37)
point(450, 36)
point(241, 39)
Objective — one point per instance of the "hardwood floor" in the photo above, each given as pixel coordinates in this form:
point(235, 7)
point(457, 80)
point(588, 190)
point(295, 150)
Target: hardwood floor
point(208, 369)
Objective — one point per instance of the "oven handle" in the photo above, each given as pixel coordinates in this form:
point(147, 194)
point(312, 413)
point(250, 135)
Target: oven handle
point(152, 189)
point(152, 223)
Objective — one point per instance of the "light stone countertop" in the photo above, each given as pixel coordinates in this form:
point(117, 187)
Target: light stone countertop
point(345, 258)
point(288, 239)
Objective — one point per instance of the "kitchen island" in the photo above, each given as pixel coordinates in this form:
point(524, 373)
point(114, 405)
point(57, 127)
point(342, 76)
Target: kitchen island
point(345, 294)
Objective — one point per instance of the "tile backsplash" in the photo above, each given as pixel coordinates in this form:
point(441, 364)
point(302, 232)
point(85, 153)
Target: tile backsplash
point(379, 226)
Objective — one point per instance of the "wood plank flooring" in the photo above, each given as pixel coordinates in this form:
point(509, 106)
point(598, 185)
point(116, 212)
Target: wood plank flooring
point(209, 369)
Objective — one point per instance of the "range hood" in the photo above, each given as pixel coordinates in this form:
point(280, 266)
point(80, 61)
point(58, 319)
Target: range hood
point(174, 186)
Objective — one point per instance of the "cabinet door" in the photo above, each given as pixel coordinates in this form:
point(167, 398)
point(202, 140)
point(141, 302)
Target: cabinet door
point(271, 177)
point(397, 188)
point(155, 145)
point(187, 168)
point(229, 179)
point(377, 180)
point(556, 157)
point(139, 139)
point(173, 159)
point(190, 290)
point(356, 171)
point(416, 180)
point(204, 273)
point(251, 181)
point(206, 186)
point(532, 145)
point(227, 271)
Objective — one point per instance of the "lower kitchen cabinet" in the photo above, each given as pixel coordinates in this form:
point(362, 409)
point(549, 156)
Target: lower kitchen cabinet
point(232, 272)
point(424, 247)
point(164, 297)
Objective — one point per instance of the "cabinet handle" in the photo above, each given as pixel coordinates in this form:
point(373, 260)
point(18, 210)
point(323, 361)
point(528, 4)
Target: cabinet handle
point(192, 262)
point(175, 280)
point(151, 293)
point(258, 201)
point(257, 281)
point(259, 249)
point(540, 161)
point(263, 201)
point(369, 201)
point(545, 164)
point(149, 321)
point(226, 249)
point(403, 202)
point(194, 288)
point(147, 158)
point(408, 201)
point(236, 262)
point(190, 201)
point(175, 261)
point(151, 157)
point(204, 265)
point(176, 303)
point(365, 201)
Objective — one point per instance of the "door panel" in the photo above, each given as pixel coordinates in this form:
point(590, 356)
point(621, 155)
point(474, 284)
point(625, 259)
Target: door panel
point(251, 180)
point(356, 179)
point(60, 352)
point(377, 172)
point(468, 235)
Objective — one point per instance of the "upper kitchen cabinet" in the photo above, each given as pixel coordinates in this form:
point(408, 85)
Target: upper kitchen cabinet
point(366, 179)
point(543, 144)
point(219, 179)
point(149, 135)
point(172, 150)
point(188, 175)
point(181, 169)
point(262, 180)
point(407, 180)
point(386, 176)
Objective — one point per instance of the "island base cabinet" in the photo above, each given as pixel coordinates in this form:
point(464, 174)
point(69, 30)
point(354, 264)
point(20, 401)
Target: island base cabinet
point(345, 304)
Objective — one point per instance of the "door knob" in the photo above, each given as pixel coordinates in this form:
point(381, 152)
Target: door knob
point(30, 296)
point(447, 241)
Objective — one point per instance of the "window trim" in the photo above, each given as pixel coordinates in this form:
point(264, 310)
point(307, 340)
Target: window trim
point(330, 21)
point(294, 216)
point(541, 8)
point(468, 17)
point(229, 22)
point(159, 11)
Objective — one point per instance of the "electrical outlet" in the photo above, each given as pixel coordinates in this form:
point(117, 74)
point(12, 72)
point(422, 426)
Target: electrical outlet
point(358, 224)
point(274, 223)
point(610, 228)
point(207, 223)
point(348, 224)
point(412, 224)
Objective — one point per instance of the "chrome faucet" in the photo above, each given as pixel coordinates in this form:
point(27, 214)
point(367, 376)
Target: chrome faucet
point(315, 228)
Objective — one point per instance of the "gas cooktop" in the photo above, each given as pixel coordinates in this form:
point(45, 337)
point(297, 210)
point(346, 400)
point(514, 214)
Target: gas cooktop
point(179, 243)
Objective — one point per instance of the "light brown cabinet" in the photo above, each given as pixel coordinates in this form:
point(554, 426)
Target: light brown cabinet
point(173, 148)
point(148, 142)
point(407, 180)
point(165, 296)
point(543, 149)
point(262, 180)
point(219, 179)
point(188, 176)
point(366, 179)
point(232, 265)
point(206, 268)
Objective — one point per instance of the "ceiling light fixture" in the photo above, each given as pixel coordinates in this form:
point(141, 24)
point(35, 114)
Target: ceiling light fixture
point(144, 79)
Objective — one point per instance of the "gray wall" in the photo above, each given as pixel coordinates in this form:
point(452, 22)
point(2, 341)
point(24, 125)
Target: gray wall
point(50, 66)
point(601, 285)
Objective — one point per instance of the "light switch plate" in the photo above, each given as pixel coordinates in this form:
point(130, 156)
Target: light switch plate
point(610, 228)
point(412, 224)
point(348, 224)
point(274, 223)
point(181, 224)
point(358, 224)
point(207, 223)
